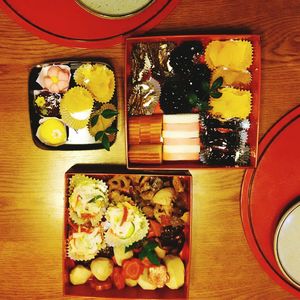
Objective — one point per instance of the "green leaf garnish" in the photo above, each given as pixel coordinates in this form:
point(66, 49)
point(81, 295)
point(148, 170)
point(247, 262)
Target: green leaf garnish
point(148, 251)
point(216, 94)
point(217, 84)
point(99, 135)
point(111, 130)
point(94, 120)
point(152, 256)
point(109, 113)
point(105, 142)
point(93, 200)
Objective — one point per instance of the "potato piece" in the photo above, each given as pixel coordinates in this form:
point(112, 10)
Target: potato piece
point(161, 253)
point(144, 281)
point(175, 269)
point(164, 196)
point(120, 254)
point(130, 282)
point(185, 217)
point(80, 275)
point(102, 268)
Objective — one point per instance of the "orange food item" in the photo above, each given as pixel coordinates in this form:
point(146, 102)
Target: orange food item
point(118, 278)
point(100, 285)
point(145, 129)
point(145, 154)
point(155, 227)
point(132, 268)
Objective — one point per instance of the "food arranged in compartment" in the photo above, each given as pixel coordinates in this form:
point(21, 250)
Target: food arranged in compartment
point(202, 87)
point(127, 230)
point(73, 105)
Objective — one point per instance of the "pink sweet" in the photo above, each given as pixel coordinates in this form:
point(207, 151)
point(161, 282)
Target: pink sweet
point(56, 79)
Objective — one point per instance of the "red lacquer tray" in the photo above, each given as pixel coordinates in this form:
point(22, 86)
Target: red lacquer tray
point(66, 23)
point(270, 189)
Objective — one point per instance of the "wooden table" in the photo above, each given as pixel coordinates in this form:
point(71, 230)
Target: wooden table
point(31, 184)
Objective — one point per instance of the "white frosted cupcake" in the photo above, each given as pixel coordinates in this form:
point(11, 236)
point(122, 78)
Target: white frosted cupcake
point(88, 201)
point(84, 245)
point(126, 224)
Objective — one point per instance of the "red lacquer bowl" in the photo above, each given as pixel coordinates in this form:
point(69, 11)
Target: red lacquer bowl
point(67, 23)
point(270, 189)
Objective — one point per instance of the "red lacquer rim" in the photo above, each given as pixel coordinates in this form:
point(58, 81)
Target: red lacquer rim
point(100, 42)
point(246, 199)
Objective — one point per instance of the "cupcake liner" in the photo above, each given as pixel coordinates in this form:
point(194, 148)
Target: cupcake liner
point(234, 103)
point(102, 123)
point(144, 97)
point(233, 54)
point(88, 200)
point(76, 107)
point(84, 246)
point(80, 178)
point(245, 124)
point(82, 74)
point(243, 156)
point(101, 83)
point(112, 240)
point(231, 77)
point(135, 219)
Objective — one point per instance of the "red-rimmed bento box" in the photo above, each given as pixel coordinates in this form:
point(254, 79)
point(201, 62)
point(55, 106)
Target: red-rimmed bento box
point(127, 234)
point(192, 101)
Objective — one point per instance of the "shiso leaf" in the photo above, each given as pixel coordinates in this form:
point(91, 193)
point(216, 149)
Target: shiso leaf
point(216, 94)
point(217, 84)
point(94, 120)
point(148, 251)
point(111, 130)
point(109, 113)
point(99, 135)
point(105, 142)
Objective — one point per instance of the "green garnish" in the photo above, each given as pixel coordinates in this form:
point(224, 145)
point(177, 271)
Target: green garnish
point(93, 200)
point(209, 91)
point(94, 120)
point(148, 251)
point(109, 113)
point(103, 136)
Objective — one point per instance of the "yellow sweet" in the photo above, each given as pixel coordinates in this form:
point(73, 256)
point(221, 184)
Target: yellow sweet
point(76, 107)
point(98, 79)
point(233, 103)
point(52, 132)
point(232, 77)
point(233, 54)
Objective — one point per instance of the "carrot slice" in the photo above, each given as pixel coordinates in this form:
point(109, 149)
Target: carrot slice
point(132, 268)
point(118, 278)
point(125, 215)
point(100, 285)
point(155, 228)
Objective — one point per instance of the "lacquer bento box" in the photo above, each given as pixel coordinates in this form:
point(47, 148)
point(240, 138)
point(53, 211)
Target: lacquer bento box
point(192, 101)
point(127, 234)
point(73, 105)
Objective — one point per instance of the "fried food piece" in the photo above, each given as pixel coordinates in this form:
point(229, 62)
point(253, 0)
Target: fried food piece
point(120, 183)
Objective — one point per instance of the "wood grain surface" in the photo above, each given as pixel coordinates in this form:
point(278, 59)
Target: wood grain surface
point(31, 183)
